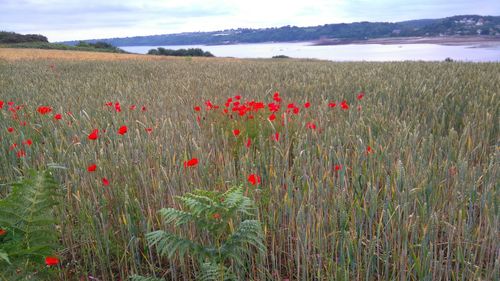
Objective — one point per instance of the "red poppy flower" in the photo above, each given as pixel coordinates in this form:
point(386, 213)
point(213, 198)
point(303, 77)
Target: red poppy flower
point(272, 117)
point(338, 167)
point(10, 129)
point(94, 135)
point(28, 142)
point(197, 108)
point(21, 153)
point(13, 146)
point(296, 110)
point(236, 132)
point(276, 136)
point(249, 142)
point(191, 163)
point(273, 107)
point(254, 179)
point(143, 108)
point(3, 232)
point(109, 104)
point(311, 125)
point(149, 130)
point(132, 107)
point(307, 104)
point(92, 168)
point(118, 107)
point(369, 149)
point(123, 130)
point(58, 116)
point(1, 104)
point(344, 105)
point(216, 216)
point(361, 95)
point(237, 97)
point(105, 181)
point(276, 97)
point(332, 104)
point(44, 109)
point(51, 261)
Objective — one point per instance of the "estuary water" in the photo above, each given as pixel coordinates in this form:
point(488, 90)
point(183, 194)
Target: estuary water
point(351, 52)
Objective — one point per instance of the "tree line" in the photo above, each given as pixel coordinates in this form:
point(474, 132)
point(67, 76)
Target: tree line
point(12, 38)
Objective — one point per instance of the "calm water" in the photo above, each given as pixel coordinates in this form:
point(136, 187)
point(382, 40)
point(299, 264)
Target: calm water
point(353, 52)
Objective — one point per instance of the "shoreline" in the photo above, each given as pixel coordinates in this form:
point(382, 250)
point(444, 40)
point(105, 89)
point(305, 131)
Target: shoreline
point(472, 41)
point(445, 40)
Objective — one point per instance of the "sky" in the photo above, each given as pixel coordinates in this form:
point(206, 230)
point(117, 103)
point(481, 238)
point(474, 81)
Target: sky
point(62, 20)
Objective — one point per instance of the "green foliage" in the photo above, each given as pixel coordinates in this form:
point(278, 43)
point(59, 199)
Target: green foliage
point(213, 213)
point(11, 37)
point(280, 57)
point(99, 45)
point(193, 52)
point(26, 215)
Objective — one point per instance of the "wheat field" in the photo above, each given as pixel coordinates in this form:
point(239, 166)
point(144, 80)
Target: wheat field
point(402, 185)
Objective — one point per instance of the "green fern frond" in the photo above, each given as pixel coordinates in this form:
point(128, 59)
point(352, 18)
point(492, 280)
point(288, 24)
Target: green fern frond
point(249, 232)
point(4, 256)
point(171, 215)
point(27, 215)
point(236, 202)
point(168, 244)
point(194, 205)
point(214, 272)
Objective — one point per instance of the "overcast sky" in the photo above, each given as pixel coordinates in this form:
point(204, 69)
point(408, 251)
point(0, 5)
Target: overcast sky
point(93, 19)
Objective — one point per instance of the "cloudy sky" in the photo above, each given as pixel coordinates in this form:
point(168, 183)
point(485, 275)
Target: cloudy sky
point(93, 19)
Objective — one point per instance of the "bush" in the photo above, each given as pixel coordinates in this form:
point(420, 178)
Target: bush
point(193, 52)
point(281, 57)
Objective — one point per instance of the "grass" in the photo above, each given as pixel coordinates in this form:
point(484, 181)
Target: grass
point(423, 206)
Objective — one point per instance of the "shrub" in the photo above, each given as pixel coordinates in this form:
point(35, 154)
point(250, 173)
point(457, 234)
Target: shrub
point(193, 52)
point(281, 57)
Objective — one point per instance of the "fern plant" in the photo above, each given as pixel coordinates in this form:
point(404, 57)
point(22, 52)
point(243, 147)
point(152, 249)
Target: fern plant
point(225, 219)
point(27, 223)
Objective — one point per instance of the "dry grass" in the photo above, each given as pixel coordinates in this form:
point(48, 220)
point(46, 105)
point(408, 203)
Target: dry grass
point(11, 54)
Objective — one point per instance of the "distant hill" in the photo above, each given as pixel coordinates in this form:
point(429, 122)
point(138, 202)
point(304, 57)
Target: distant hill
point(465, 25)
point(36, 41)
